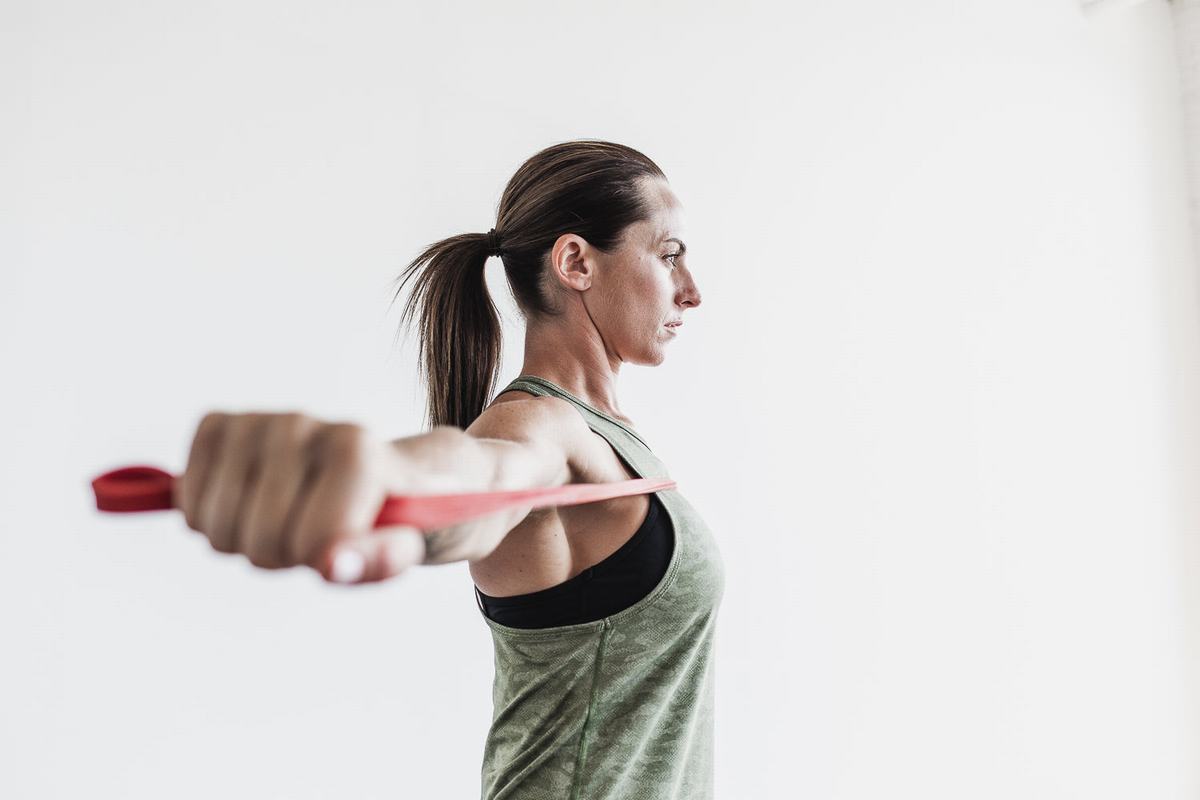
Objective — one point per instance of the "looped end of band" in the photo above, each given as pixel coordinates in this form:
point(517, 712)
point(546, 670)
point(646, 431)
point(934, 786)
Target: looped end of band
point(137, 488)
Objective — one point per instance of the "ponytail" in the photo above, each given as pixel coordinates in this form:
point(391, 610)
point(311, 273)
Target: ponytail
point(459, 332)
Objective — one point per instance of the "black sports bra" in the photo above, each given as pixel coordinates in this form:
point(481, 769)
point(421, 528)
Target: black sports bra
point(613, 585)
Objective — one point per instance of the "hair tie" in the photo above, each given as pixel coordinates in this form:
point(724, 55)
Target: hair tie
point(493, 243)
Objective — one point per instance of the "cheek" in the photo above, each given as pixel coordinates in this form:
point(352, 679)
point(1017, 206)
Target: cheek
point(655, 291)
point(656, 279)
point(639, 301)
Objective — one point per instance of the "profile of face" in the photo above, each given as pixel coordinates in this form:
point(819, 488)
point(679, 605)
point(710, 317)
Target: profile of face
point(634, 296)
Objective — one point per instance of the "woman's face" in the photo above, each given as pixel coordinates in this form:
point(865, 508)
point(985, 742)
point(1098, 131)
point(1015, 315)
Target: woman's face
point(639, 292)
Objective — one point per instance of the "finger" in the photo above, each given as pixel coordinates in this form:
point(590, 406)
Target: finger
point(341, 503)
point(284, 476)
point(233, 481)
point(386, 553)
point(202, 458)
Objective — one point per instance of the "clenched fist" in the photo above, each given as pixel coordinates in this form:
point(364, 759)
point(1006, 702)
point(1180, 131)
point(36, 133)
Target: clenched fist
point(286, 490)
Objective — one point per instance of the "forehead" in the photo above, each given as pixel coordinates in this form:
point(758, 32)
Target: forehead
point(667, 217)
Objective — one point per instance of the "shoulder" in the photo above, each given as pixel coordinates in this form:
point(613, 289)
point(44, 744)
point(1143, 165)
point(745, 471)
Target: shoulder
point(522, 409)
point(545, 423)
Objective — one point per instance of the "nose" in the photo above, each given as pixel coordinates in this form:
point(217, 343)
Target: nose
point(690, 294)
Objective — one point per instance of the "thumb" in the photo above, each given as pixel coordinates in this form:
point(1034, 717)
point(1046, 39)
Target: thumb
point(385, 553)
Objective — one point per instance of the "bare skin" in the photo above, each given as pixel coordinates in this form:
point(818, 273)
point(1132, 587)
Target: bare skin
point(282, 488)
point(615, 305)
point(285, 489)
point(615, 308)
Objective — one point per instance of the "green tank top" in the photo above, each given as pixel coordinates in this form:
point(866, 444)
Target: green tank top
point(621, 707)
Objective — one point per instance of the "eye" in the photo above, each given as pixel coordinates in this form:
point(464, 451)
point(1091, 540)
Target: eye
point(672, 256)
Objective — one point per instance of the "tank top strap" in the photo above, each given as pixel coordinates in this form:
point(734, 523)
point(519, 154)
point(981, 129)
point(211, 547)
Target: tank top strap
point(543, 387)
point(624, 439)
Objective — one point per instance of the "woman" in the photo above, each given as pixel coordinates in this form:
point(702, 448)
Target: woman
point(602, 614)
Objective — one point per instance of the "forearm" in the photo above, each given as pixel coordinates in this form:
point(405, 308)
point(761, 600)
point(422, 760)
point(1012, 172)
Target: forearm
point(449, 460)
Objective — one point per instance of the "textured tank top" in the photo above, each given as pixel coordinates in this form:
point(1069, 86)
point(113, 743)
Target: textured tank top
point(620, 707)
point(613, 585)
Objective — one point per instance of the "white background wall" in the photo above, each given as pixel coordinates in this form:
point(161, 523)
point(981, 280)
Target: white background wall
point(939, 404)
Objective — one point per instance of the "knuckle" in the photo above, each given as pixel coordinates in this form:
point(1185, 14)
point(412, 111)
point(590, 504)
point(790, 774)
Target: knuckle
point(288, 423)
point(211, 422)
point(295, 418)
point(287, 434)
point(210, 418)
point(345, 440)
point(247, 421)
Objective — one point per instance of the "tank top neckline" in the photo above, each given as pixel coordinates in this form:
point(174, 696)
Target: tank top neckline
point(588, 406)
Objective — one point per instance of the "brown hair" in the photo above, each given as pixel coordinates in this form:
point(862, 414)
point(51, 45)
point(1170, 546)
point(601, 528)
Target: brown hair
point(588, 187)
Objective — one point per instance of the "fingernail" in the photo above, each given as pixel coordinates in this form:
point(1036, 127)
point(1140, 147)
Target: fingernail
point(348, 566)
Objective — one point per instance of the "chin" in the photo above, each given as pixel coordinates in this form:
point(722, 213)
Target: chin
point(650, 359)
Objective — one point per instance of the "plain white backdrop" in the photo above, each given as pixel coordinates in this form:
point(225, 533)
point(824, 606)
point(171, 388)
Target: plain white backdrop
point(939, 403)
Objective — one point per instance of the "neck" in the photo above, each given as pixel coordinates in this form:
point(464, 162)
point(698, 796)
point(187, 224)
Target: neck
point(574, 357)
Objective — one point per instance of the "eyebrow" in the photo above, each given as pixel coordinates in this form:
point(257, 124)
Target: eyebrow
point(682, 246)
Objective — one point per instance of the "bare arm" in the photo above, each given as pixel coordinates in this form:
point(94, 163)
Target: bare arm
point(286, 489)
point(522, 444)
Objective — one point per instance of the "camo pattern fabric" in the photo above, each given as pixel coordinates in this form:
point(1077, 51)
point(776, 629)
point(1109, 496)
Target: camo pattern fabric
point(620, 708)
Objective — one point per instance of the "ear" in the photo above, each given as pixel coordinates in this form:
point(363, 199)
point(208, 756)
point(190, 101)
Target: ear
point(573, 261)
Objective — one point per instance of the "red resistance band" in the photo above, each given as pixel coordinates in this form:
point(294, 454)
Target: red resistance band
point(144, 488)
